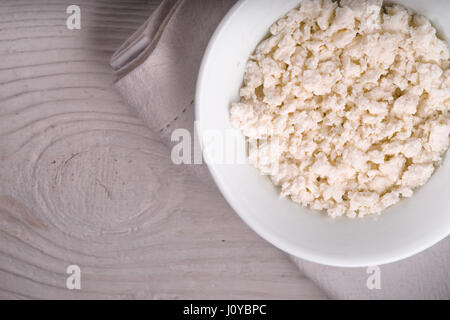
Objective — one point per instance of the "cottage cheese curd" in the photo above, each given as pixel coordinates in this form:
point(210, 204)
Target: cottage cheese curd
point(346, 106)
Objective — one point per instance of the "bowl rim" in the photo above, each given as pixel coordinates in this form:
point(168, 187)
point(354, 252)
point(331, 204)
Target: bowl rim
point(286, 246)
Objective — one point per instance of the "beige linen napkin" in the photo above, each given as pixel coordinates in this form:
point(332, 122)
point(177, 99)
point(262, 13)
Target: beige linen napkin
point(157, 69)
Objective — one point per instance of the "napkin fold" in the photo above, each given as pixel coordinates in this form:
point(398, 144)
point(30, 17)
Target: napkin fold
point(157, 66)
point(157, 69)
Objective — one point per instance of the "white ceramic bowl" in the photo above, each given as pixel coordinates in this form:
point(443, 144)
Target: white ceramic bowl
point(399, 232)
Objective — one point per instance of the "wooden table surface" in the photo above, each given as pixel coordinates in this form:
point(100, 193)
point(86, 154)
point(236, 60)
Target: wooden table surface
point(84, 182)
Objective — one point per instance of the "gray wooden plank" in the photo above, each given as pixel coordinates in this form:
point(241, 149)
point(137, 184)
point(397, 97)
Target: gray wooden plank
point(83, 181)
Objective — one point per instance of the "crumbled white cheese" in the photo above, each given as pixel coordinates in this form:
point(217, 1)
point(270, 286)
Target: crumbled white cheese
point(347, 106)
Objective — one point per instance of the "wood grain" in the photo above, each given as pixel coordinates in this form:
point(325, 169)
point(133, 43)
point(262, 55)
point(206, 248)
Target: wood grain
point(83, 181)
